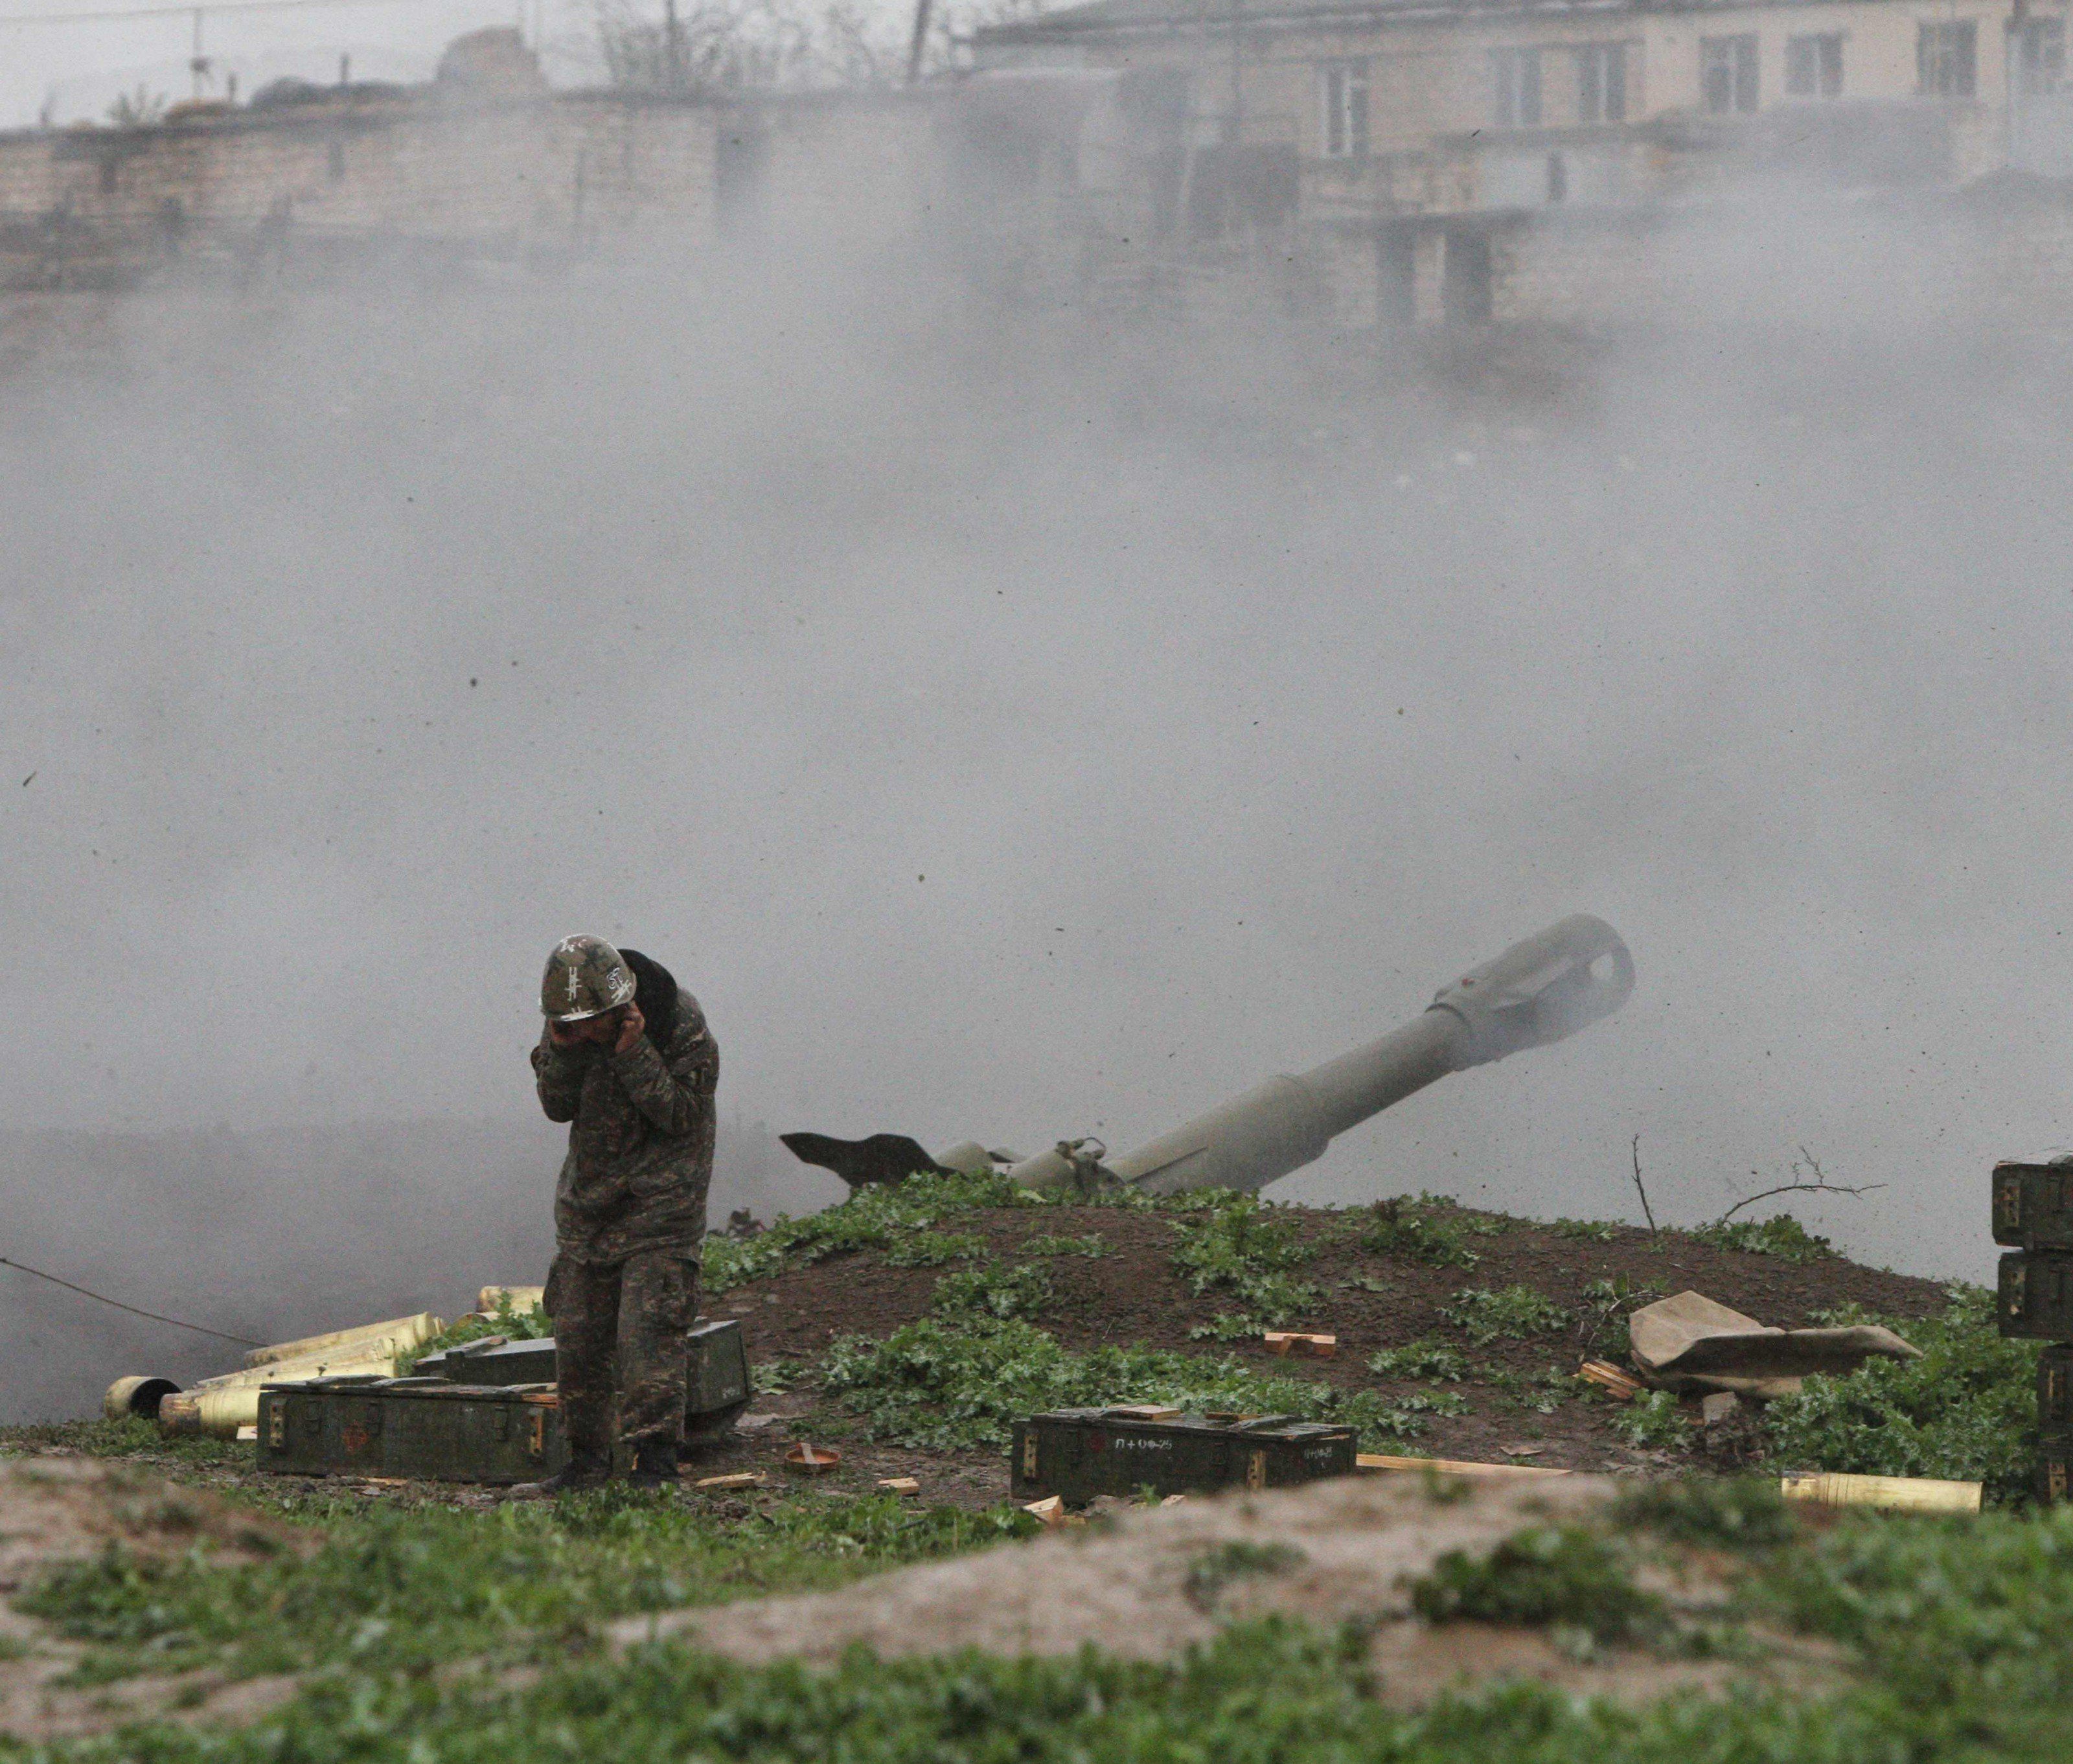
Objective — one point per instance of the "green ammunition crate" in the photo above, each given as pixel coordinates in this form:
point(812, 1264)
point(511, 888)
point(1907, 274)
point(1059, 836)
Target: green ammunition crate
point(2034, 1296)
point(2033, 1204)
point(2054, 1468)
point(429, 1428)
point(718, 1373)
point(498, 1427)
point(1079, 1453)
point(495, 1363)
point(2054, 1390)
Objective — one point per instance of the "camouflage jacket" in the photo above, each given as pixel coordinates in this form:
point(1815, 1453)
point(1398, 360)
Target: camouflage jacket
point(641, 1140)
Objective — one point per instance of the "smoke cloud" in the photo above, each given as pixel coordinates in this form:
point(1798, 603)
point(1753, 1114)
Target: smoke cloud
point(1010, 724)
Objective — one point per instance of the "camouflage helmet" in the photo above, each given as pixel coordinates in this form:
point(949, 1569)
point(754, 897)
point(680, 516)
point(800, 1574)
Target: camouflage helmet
point(586, 977)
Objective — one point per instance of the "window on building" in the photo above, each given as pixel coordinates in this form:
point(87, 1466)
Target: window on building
point(1947, 59)
point(2041, 54)
point(1344, 85)
point(1601, 83)
point(1515, 78)
point(1814, 66)
point(1727, 75)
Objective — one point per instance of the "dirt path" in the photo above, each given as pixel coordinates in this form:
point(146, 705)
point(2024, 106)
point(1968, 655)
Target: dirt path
point(1147, 1584)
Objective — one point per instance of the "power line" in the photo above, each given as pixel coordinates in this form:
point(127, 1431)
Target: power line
point(182, 12)
point(101, 1298)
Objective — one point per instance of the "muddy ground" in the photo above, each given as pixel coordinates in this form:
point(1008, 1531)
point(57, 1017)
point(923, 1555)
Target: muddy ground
point(1133, 1296)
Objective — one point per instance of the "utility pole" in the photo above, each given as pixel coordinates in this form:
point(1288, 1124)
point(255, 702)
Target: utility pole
point(197, 62)
point(673, 47)
point(1235, 128)
point(919, 42)
point(2017, 29)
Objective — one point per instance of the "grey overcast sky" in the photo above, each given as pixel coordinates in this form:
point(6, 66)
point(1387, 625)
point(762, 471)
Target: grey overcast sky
point(74, 65)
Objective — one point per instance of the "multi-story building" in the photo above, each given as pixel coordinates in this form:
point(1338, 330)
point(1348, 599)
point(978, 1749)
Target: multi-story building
point(1383, 119)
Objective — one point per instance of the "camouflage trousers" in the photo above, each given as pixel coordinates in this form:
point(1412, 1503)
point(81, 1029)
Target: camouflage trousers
point(625, 1324)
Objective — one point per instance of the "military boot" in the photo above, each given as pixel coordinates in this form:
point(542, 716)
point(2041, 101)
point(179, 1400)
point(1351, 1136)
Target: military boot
point(587, 1470)
point(654, 1465)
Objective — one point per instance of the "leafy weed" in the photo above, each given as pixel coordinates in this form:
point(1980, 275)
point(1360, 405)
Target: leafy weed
point(1544, 1575)
point(1421, 1359)
point(1418, 1230)
point(1513, 1312)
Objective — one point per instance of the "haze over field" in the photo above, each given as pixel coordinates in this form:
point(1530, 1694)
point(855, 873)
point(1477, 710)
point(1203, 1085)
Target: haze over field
point(1008, 727)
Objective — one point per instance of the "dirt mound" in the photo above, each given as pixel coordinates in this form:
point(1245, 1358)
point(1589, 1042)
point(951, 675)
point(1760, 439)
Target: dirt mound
point(1150, 1582)
point(55, 1508)
point(1133, 1296)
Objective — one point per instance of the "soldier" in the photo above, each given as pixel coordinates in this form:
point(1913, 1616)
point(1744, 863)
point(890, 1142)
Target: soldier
point(626, 1059)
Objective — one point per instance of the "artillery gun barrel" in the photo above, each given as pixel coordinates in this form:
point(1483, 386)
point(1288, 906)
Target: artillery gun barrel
point(1538, 991)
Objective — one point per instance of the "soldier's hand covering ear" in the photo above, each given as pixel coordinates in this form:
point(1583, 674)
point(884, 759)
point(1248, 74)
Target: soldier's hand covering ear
point(630, 1027)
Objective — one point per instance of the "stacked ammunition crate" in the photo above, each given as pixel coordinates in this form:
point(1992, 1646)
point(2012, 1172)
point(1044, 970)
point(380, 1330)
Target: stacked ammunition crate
point(486, 1412)
point(2033, 1213)
point(1081, 1453)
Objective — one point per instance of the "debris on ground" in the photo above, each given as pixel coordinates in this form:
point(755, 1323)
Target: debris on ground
point(1688, 1342)
point(221, 1405)
point(1287, 1341)
point(1448, 1466)
point(1891, 1494)
point(1608, 1377)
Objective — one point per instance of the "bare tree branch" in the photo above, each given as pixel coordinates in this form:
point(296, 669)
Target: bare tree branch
point(1819, 1186)
point(1648, 1212)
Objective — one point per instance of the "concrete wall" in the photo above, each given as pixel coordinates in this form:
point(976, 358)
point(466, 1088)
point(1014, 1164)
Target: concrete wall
point(532, 172)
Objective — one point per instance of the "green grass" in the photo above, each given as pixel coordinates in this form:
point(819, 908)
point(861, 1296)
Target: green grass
point(1557, 1575)
point(1954, 1641)
point(1541, 1392)
point(1214, 1570)
point(1654, 1421)
point(402, 1588)
point(879, 1217)
point(1022, 1291)
point(132, 1436)
point(1966, 1410)
point(1240, 1249)
point(1782, 1236)
point(1606, 1306)
point(530, 1324)
point(1736, 1513)
point(1425, 1229)
point(1513, 1313)
point(1422, 1359)
point(1586, 1230)
point(949, 1385)
point(1092, 1245)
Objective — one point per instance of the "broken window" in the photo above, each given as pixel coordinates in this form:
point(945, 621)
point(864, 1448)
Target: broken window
point(1601, 83)
point(1947, 59)
point(1345, 86)
point(1727, 75)
point(2041, 54)
point(1515, 80)
point(1814, 65)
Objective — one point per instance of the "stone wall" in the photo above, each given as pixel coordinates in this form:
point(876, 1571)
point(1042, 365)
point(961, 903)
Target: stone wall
point(513, 177)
